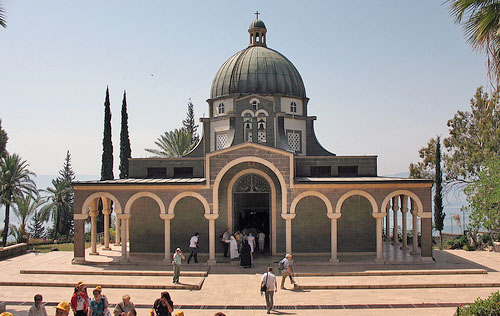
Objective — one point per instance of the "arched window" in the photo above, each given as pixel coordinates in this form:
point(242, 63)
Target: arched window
point(220, 108)
point(255, 105)
point(293, 107)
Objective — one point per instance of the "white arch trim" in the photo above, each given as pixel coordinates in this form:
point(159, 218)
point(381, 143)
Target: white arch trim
point(365, 194)
point(413, 196)
point(93, 196)
point(247, 112)
point(138, 195)
point(261, 111)
point(235, 162)
point(182, 195)
point(329, 208)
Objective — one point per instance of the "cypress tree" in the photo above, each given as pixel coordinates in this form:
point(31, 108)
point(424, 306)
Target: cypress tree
point(189, 123)
point(107, 144)
point(66, 218)
point(36, 227)
point(439, 215)
point(125, 151)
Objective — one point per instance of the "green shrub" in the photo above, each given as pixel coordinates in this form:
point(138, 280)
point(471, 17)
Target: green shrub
point(486, 307)
point(459, 242)
point(487, 239)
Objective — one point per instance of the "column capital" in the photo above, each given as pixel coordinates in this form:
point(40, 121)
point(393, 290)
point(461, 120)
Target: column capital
point(93, 213)
point(167, 217)
point(334, 215)
point(123, 216)
point(404, 209)
point(425, 214)
point(80, 216)
point(288, 216)
point(211, 216)
point(378, 215)
point(106, 212)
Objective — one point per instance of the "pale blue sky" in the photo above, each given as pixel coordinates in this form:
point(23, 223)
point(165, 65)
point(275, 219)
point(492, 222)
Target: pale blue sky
point(383, 76)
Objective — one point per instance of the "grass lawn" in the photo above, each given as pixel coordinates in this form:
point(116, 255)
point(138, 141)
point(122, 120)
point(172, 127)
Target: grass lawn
point(60, 247)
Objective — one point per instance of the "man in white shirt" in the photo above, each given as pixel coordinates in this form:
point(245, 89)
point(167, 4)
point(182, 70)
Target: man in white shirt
point(269, 279)
point(193, 245)
point(287, 270)
point(262, 241)
point(37, 309)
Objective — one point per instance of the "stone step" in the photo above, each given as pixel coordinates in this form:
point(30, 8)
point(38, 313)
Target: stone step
point(394, 286)
point(393, 272)
point(116, 273)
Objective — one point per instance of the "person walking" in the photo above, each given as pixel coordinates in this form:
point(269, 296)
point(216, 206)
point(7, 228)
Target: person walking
point(269, 286)
point(246, 256)
point(287, 270)
point(163, 306)
point(262, 241)
point(225, 241)
point(251, 242)
point(193, 245)
point(176, 262)
point(79, 303)
point(37, 309)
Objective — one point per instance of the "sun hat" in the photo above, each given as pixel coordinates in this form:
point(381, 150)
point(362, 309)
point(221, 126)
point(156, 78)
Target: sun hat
point(80, 283)
point(99, 288)
point(179, 313)
point(64, 306)
point(6, 314)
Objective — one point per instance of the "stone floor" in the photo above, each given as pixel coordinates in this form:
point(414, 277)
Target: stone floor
point(235, 290)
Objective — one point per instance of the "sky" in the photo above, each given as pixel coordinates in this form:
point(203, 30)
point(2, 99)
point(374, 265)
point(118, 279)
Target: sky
point(383, 76)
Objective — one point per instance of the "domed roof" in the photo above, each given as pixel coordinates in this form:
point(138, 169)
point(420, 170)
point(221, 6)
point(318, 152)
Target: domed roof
point(259, 70)
point(257, 24)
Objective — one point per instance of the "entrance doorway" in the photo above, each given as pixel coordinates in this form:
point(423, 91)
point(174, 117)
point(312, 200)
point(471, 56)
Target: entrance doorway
point(251, 200)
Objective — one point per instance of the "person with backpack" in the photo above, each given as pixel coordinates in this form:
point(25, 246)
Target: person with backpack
point(286, 270)
point(269, 286)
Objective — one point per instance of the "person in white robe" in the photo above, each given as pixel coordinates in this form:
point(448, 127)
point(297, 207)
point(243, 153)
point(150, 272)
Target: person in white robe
point(233, 248)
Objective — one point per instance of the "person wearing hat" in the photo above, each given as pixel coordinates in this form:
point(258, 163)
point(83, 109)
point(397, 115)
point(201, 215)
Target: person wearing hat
point(6, 314)
point(106, 310)
point(83, 289)
point(179, 313)
point(163, 306)
point(62, 309)
point(176, 262)
point(37, 309)
point(79, 303)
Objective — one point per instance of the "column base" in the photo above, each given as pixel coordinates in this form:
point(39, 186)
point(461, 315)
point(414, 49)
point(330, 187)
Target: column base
point(123, 260)
point(377, 260)
point(333, 260)
point(403, 247)
point(78, 260)
point(118, 243)
point(212, 262)
point(427, 260)
point(94, 253)
point(414, 252)
point(106, 248)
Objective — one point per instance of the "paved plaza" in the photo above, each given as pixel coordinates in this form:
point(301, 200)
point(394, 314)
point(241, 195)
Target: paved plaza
point(350, 288)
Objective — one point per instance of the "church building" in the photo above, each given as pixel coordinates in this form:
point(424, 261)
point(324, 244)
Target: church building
point(259, 165)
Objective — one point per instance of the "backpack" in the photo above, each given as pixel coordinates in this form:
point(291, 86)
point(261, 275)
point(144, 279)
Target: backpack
point(281, 265)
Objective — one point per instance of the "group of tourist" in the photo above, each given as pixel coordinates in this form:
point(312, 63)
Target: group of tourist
point(242, 245)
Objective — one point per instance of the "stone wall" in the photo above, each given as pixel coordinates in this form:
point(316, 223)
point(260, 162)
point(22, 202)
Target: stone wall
point(311, 227)
point(356, 226)
point(12, 251)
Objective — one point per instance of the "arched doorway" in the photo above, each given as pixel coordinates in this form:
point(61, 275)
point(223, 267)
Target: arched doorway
point(251, 206)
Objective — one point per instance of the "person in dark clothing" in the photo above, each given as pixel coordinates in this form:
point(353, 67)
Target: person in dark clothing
point(163, 306)
point(245, 255)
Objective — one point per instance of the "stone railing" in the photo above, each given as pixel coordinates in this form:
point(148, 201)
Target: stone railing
point(12, 251)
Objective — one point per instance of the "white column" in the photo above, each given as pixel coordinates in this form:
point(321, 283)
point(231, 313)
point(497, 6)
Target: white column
point(124, 219)
point(106, 210)
point(404, 210)
point(93, 222)
point(333, 220)
point(211, 237)
point(128, 229)
point(117, 231)
point(288, 218)
point(379, 217)
point(167, 218)
point(387, 222)
point(395, 209)
point(414, 212)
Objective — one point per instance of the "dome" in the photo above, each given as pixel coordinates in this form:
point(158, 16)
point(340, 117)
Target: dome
point(259, 70)
point(257, 24)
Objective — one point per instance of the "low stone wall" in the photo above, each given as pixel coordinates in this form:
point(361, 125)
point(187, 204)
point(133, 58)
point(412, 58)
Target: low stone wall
point(12, 251)
point(496, 246)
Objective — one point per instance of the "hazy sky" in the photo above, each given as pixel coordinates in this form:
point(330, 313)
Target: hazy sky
point(383, 77)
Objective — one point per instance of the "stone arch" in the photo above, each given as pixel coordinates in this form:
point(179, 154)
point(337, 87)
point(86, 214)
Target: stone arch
point(413, 196)
point(179, 196)
point(138, 195)
point(261, 111)
point(90, 198)
point(247, 112)
point(365, 194)
point(263, 174)
point(235, 162)
point(329, 208)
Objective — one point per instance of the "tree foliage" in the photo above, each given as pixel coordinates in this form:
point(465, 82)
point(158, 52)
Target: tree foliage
point(439, 215)
point(107, 144)
point(189, 123)
point(125, 151)
point(15, 181)
point(24, 208)
point(480, 20)
point(173, 144)
point(483, 196)
point(3, 141)
point(3, 20)
point(68, 175)
point(56, 204)
point(426, 168)
point(36, 227)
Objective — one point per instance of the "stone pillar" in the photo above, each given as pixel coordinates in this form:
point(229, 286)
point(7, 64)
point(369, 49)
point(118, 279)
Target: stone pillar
point(404, 210)
point(93, 232)
point(387, 222)
point(167, 218)
point(79, 238)
point(128, 229)
point(334, 217)
point(288, 218)
point(106, 210)
point(414, 212)
point(395, 209)
point(117, 231)
point(426, 236)
point(380, 243)
point(124, 222)
point(211, 237)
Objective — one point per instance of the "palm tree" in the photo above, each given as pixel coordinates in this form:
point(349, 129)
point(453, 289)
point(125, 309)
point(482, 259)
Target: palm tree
point(3, 21)
point(481, 24)
point(15, 181)
point(175, 143)
point(25, 206)
point(56, 203)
